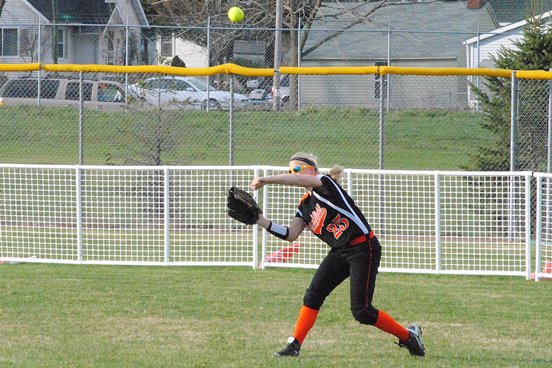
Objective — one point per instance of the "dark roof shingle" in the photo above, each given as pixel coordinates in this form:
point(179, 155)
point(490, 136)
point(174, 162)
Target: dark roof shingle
point(75, 11)
point(418, 30)
point(510, 11)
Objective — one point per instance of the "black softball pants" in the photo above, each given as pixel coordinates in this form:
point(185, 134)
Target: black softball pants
point(361, 263)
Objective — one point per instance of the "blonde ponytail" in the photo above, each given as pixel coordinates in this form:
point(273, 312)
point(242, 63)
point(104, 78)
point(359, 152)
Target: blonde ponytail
point(336, 172)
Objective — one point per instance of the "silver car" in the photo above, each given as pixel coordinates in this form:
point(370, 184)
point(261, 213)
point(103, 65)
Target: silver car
point(183, 92)
point(63, 92)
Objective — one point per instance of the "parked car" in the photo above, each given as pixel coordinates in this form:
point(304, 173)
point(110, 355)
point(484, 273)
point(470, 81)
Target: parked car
point(61, 92)
point(184, 92)
point(284, 88)
point(266, 84)
point(260, 98)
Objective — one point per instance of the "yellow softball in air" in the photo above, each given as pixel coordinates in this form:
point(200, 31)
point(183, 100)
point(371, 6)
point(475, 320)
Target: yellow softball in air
point(236, 14)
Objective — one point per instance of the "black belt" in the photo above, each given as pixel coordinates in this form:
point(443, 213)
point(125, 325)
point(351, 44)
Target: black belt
point(362, 239)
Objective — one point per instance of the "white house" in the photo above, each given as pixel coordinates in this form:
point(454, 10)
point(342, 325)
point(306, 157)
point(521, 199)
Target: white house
point(481, 49)
point(192, 54)
point(75, 31)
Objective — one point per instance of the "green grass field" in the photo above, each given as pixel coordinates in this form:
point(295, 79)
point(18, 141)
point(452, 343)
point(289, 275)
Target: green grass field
point(112, 316)
point(350, 137)
point(107, 316)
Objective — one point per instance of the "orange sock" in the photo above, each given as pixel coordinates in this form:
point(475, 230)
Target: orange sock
point(305, 321)
point(386, 323)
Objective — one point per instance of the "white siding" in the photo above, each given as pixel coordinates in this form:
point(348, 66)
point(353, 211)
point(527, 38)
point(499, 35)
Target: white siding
point(127, 12)
point(80, 47)
point(406, 91)
point(194, 55)
point(489, 47)
point(84, 49)
point(18, 12)
point(490, 43)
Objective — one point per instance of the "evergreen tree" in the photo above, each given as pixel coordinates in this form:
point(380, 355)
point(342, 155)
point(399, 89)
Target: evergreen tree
point(533, 52)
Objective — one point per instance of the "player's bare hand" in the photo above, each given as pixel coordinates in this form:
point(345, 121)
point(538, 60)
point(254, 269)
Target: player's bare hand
point(258, 183)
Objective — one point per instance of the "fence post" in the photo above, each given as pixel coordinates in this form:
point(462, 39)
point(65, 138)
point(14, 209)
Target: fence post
point(388, 100)
point(528, 226)
point(127, 54)
point(81, 121)
point(266, 213)
point(513, 123)
point(39, 59)
point(78, 184)
point(208, 60)
point(231, 119)
point(256, 228)
point(167, 214)
point(513, 151)
point(549, 142)
point(477, 78)
point(381, 123)
point(277, 52)
point(538, 230)
point(437, 222)
point(298, 77)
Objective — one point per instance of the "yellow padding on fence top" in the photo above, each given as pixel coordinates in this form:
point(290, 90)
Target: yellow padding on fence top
point(161, 69)
point(219, 69)
point(505, 73)
point(328, 70)
point(533, 74)
point(19, 67)
point(268, 72)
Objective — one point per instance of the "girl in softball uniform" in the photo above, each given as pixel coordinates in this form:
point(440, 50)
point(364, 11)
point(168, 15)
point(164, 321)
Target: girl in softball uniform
point(331, 215)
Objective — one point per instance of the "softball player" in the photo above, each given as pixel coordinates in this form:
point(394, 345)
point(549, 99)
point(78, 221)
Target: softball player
point(331, 214)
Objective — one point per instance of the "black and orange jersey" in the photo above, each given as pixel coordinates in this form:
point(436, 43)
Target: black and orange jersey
point(331, 214)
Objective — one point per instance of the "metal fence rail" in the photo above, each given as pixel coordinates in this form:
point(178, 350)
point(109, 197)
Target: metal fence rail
point(388, 117)
point(428, 221)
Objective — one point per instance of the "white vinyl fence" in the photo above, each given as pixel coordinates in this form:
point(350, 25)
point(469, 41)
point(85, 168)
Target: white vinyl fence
point(427, 221)
point(543, 263)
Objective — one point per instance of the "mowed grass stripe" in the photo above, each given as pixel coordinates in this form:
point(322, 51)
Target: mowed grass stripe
point(111, 316)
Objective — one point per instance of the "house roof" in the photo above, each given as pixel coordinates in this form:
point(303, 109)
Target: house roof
point(505, 29)
point(417, 30)
point(84, 11)
point(511, 11)
point(75, 11)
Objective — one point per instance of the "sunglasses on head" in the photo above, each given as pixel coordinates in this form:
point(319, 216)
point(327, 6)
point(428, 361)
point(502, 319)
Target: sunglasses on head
point(298, 168)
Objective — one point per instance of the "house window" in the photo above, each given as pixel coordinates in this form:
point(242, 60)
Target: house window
point(377, 80)
point(60, 45)
point(8, 46)
point(166, 47)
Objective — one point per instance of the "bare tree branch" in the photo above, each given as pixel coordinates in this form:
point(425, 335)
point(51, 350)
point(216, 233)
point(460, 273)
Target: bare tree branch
point(360, 18)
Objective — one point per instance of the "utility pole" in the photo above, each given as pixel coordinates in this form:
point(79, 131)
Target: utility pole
point(54, 32)
point(277, 57)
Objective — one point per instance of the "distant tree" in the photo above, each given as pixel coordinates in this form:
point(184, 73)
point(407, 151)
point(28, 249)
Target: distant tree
point(153, 140)
point(533, 52)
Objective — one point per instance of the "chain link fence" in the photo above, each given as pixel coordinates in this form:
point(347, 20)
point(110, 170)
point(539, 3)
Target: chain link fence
point(415, 122)
point(362, 119)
